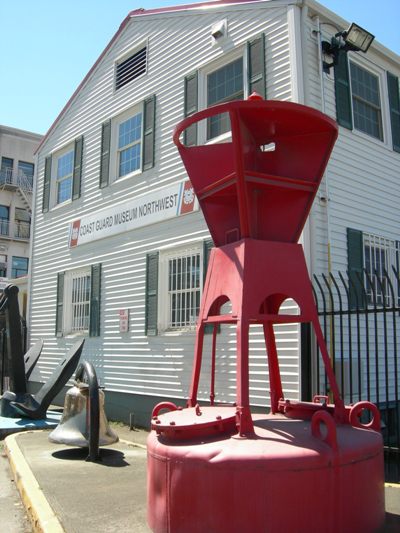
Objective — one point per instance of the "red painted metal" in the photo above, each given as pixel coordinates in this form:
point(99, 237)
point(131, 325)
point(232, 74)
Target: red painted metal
point(222, 468)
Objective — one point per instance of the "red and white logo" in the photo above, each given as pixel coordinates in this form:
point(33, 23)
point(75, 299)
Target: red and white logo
point(73, 240)
point(188, 199)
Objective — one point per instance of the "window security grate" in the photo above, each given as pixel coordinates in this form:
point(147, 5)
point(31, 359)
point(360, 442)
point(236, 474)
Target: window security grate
point(80, 302)
point(184, 275)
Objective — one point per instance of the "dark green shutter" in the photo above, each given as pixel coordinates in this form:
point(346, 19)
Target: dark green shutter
point(256, 66)
point(78, 155)
point(46, 184)
point(151, 300)
point(342, 91)
point(394, 105)
point(208, 245)
point(95, 294)
point(105, 153)
point(355, 263)
point(191, 106)
point(60, 304)
point(149, 123)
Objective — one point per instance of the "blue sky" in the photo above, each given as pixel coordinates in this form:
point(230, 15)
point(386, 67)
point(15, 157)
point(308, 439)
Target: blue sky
point(48, 46)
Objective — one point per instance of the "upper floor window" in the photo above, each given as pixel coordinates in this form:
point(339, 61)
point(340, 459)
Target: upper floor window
point(64, 166)
point(62, 175)
point(129, 145)
point(131, 67)
point(127, 142)
point(6, 170)
point(366, 101)
point(223, 85)
point(26, 170)
point(234, 78)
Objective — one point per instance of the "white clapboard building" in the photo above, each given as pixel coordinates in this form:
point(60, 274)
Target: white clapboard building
point(120, 246)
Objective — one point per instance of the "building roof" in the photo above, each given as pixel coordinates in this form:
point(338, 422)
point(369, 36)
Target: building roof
point(133, 14)
point(196, 7)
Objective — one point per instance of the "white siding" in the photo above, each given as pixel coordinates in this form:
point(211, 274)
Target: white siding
point(178, 43)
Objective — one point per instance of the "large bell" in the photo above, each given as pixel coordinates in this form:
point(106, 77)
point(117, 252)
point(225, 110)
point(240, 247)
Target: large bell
point(78, 422)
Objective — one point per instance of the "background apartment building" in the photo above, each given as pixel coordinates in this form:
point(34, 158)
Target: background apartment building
point(17, 168)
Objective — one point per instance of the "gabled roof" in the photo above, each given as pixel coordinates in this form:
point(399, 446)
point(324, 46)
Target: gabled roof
point(133, 14)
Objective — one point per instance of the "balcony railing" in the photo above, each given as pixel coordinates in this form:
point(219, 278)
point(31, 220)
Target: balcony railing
point(17, 179)
point(20, 230)
point(4, 228)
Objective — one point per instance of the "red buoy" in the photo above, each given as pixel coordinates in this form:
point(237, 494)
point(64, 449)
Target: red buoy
point(307, 466)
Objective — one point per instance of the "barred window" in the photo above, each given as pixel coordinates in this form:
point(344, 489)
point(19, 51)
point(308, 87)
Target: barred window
point(80, 302)
point(380, 257)
point(184, 290)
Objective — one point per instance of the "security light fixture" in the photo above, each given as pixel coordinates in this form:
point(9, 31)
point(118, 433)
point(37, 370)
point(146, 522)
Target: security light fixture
point(354, 39)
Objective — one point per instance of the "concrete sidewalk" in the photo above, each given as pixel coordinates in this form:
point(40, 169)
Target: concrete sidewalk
point(64, 493)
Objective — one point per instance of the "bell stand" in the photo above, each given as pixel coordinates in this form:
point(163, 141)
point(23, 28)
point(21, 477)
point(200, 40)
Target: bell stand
point(253, 266)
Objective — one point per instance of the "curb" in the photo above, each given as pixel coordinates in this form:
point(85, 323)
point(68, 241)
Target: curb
point(40, 513)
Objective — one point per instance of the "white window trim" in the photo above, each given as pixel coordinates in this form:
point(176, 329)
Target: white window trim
point(204, 72)
point(115, 123)
point(70, 147)
point(163, 302)
point(67, 302)
point(384, 100)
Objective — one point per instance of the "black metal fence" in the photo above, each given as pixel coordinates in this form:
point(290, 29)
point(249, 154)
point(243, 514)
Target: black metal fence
point(360, 318)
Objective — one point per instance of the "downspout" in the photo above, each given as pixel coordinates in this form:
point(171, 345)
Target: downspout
point(322, 92)
point(328, 221)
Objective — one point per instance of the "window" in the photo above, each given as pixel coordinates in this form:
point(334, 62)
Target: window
point(62, 175)
point(174, 284)
point(380, 255)
point(78, 301)
point(184, 289)
point(64, 166)
point(234, 79)
point(7, 165)
point(363, 100)
point(4, 220)
point(127, 143)
point(373, 262)
point(22, 223)
point(19, 267)
point(223, 85)
point(25, 172)
point(366, 101)
point(131, 67)
point(3, 266)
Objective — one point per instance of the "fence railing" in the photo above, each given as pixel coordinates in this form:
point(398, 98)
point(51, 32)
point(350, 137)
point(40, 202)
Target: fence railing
point(360, 318)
